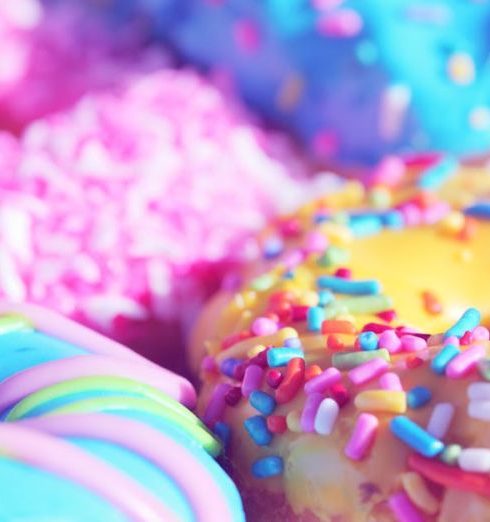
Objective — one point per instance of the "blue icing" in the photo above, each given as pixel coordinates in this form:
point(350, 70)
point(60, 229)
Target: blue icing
point(28, 493)
point(24, 349)
point(402, 44)
point(143, 471)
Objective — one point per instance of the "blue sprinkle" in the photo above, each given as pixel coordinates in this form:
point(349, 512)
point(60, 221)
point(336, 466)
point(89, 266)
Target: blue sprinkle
point(443, 358)
point(368, 341)
point(393, 219)
point(325, 297)
point(346, 286)
point(257, 429)
point(320, 218)
point(480, 210)
point(436, 175)
point(418, 397)
point(273, 247)
point(365, 225)
point(469, 320)
point(268, 467)
point(277, 357)
point(415, 437)
point(293, 342)
point(314, 318)
point(223, 432)
point(228, 366)
point(262, 402)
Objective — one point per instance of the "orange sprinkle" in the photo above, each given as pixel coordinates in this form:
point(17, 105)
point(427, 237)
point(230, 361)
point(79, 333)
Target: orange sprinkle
point(334, 343)
point(292, 382)
point(469, 229)
point(333, 326)
point(432, 305)
point(312, 371)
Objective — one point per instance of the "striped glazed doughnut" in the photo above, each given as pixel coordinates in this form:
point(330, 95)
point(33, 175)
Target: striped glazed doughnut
point(92, 431)
point(344, 400)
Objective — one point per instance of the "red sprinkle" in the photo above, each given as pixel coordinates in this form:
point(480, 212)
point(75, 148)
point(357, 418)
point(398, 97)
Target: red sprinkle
point(277, 423)
point(432, 305)
point(339, 394)
point(273, 378)
point(290, 227)
point(299, 313)
point(334, 343)
point(377, 328)
point(449, 476)
point(260, 359)
point(281, 297)
point(292, 382)
point(412, 361)
point(387, 315)
point(233, 396)
point(466, 339)
point(312, 371)
point(344, 273)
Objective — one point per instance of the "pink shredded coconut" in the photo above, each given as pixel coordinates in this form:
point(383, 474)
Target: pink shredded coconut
point(125, 211)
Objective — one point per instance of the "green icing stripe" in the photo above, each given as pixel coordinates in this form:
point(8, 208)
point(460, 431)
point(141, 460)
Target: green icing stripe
point(198, 432)
point(81, 384)
point(14, 322)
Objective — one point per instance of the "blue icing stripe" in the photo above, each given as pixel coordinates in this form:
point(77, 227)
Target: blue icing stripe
point(143, 471)
point(24, 349)
point(28, 493)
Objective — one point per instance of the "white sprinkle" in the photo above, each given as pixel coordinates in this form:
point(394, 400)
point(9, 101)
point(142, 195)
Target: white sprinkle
point(479, 391)
point(440, 419)
point(326, 416)
point(479, 410)
point(475, 459)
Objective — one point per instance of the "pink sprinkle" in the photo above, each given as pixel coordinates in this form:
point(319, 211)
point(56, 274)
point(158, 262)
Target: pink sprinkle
point(412, 343)
point(377, 328)
point(390, 341)
point(389, 172)
point(273, 377)
point(321, 383)
point(216, 405)
point(362, 436)
point(412, 215)
point(325, 5)
point(435, 212)
point(315, 242)
point(387, 315)
point(344, 273)
point(465, 362)
point(390, 381)
point(209, 364)
point(466, 339)
point(247, 35)
point(403, 508)
point(310, 408)
point(368, 371)
point(292, 258)
point(342, 23)
point(480, 333)
point(252, 379)
point(264, 326)
point(451, 340)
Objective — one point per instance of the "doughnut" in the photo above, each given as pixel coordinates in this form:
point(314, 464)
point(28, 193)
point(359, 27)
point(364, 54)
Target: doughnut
point(353, 79)
point(90, 430)
point(352, 364)
point(121, 212)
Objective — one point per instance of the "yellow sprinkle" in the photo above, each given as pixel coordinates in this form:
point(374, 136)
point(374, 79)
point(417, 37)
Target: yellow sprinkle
point(293, 421)
point(309, 298)
point(381, 400)
point(339, 235)
point(255, 350)
point(286, 333)
point(419, 494)
point(461, 68)
point(452, 223)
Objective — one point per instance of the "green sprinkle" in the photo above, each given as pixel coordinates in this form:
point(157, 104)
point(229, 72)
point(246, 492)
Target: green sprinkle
point(263, 283)
point(14, 322)
point(334, 256)
point(366, 304)
point(484, 369)
point(349, 360)
point(450, 454)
